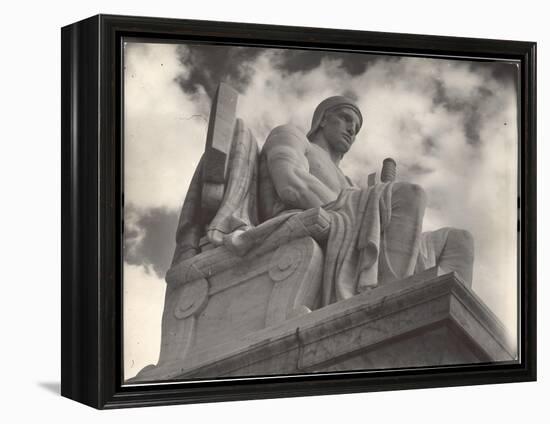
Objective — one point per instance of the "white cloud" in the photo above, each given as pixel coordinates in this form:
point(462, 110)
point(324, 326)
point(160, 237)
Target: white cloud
point(142, 314)
point(164, 129)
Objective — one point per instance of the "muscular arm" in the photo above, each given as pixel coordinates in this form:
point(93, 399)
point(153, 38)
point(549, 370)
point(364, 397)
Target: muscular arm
point(289, 169)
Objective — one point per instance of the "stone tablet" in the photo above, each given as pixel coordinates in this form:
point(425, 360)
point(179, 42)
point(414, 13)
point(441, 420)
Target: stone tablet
point(219, 138)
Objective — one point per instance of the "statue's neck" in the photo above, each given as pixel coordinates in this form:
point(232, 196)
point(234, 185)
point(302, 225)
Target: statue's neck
point(335, 156)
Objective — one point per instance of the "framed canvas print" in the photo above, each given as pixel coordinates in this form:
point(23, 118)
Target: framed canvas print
point(254, 211)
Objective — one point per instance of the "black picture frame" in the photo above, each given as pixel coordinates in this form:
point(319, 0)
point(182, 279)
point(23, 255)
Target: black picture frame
point(92, 215)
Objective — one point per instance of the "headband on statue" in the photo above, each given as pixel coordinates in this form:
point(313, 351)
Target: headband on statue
point(329, 104)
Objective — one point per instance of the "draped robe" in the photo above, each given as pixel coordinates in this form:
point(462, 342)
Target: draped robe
point(356, 242)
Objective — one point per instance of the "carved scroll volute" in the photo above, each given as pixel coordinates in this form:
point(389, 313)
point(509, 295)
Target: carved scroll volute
point(296, 270)
point(192, 299)
point(284, 262)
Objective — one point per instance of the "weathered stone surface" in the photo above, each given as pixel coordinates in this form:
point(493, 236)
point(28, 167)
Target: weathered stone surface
point(425, 320)
point(204, 313)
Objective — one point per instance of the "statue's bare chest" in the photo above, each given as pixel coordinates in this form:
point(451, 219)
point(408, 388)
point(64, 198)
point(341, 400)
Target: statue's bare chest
point(322, 167)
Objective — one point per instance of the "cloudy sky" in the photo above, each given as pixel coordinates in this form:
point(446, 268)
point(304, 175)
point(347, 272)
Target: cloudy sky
point(450, 125)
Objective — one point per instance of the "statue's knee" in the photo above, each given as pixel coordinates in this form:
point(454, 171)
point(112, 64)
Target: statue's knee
point(410, 194)
point(462, 238)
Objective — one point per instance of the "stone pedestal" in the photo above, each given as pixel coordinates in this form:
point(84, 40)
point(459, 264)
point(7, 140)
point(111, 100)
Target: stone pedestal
point(429, 319)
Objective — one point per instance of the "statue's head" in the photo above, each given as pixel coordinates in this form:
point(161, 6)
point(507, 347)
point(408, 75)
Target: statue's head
point(339, 120)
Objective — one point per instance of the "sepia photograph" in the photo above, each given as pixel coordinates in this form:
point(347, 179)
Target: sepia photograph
point(305, 211)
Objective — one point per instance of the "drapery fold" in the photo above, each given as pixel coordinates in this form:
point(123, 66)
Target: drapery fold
point(358, 218)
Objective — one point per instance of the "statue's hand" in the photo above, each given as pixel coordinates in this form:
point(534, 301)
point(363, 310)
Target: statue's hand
point(236, 242)
point(233, 241)
point(215, 237)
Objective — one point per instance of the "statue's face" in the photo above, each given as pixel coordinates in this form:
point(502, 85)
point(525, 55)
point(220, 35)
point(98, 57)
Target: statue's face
point(340, 126)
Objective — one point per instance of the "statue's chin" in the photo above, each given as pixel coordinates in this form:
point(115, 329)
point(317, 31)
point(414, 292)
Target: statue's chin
point(342, 147)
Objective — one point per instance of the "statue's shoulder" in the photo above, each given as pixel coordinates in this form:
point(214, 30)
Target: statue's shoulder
point(286, 135)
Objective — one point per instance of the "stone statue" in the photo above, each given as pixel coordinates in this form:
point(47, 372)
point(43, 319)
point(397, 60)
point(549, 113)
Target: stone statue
point(375, 232)
point(267, 236)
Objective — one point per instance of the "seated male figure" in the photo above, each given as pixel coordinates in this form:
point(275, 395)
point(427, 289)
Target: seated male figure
point(376, 232)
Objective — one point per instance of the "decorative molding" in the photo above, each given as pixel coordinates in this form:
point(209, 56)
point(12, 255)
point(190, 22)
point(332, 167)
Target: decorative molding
point(192, 299)
point(285, 261)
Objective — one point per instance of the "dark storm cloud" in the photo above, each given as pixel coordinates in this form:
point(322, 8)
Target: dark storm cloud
point(211, 64)
point(503, 73)
point(306, 60)
point(150, 239)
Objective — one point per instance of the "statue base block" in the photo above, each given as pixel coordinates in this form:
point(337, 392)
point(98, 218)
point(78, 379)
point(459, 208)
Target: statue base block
point(429, 319)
